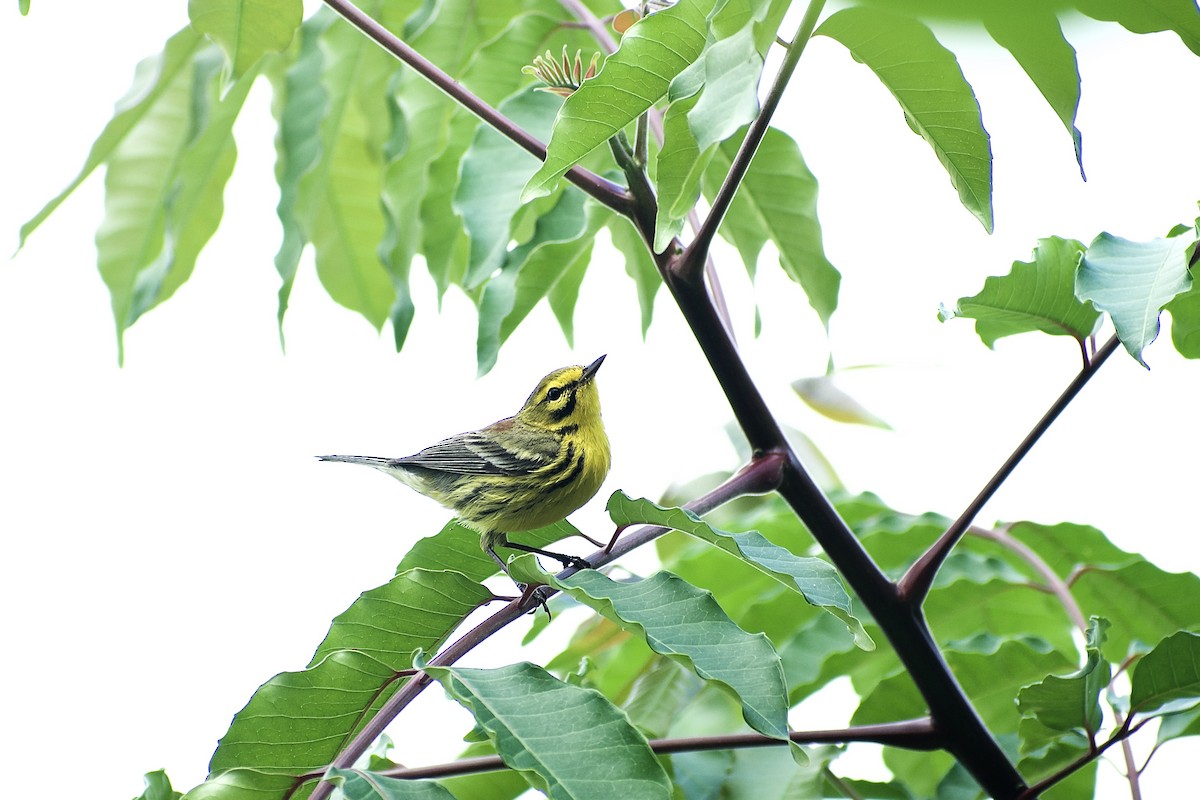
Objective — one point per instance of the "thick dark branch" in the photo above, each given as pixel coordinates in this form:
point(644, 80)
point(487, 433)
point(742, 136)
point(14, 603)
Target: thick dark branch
point(915, 734)
point(604, 191)
point(964, 734)
point(692, 263)
point(916, 582)
point(760, 475)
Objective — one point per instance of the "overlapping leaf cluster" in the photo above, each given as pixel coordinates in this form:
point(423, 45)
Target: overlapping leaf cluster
point(378, 169)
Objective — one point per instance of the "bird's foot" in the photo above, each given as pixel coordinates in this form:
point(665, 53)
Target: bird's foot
point(534, 596)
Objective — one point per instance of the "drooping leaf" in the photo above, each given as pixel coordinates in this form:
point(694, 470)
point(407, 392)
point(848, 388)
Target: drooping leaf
point(489, 187)
point(1132, 281)
point(155, 77)
point(163, 183)
point(359, 785)
point(1168, 677)
point(709, 101)
point(638, 265)
point(1035, 39)
point(816, 580)
point(827, 398)
point(777, 202)
point(926, 80)
point(338, 199)
point(1150, 16)
point(549, 731)
point(685, 623)
point(561, 243)
point(632, 79)
point(299, 104)
point(679, 170)
point(1037, 295)
point(1072, 702)
point(298, 721)
point(247, 29)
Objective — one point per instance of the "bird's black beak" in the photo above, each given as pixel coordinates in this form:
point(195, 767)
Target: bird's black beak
point(589, 371)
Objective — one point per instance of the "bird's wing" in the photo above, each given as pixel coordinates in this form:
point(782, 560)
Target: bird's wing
point(502, 448)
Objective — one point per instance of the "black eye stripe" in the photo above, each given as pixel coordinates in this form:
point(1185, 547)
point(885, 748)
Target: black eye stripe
point(555, 392)
point(565, 410)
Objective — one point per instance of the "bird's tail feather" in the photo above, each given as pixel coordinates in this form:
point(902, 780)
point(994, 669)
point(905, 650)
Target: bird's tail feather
point(370, 461)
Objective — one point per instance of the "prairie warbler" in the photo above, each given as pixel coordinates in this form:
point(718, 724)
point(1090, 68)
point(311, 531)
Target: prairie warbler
point(523, 472)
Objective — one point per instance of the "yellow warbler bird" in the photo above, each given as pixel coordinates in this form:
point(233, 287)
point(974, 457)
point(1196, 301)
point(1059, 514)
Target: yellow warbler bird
point(523, 472)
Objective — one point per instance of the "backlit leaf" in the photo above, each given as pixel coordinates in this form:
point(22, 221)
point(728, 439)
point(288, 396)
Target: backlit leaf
point(247, 29)
point(926, 80)
point(1132, 281)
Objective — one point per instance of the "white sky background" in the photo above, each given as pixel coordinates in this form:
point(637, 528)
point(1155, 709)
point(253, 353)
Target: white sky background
point(170, 541)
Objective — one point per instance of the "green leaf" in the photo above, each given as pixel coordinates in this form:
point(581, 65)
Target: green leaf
point(489, 186)
point(298, 721)
point(299, 105)
point(1168, 676)
point(825, 397)
point(926, 80)
point(1035, 39)
point(1143, 602)
point(990, 672)
point(502, 785)
point(709, 102)
point(158, 787)
point(23, 7)
point(548, 730)
point(684, 623)
point(1150, 16)
point(247, 29)
point(560, 246)
point(777, 202)
point(359, 785)
point(638, 265)
point(1072, 702)
point(659, 696)
point(339, 198)
point(1179, 725)
point(1185, 321)
point(1037, 295)
point(155, 76)
point(632, 79)
point(768, 774)
point(1132, 281)
point(163, 188)
point(679, 169)
point(456, 547)
point(816, 580)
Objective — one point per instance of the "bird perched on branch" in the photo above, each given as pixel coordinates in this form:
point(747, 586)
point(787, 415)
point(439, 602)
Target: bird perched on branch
point(520, 473)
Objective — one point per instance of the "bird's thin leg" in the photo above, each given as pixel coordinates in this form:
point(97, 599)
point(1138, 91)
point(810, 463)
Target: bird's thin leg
point(565, 560)
point(531, 596)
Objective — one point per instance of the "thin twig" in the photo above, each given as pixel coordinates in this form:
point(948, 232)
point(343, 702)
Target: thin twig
point(697, 251)
point(1054, 584)
point(914, 734)
point(916, 582)
point(1124, 732)
point(604, 191)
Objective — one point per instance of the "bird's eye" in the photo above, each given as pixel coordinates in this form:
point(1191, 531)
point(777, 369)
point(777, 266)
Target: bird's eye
point(553, 394)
